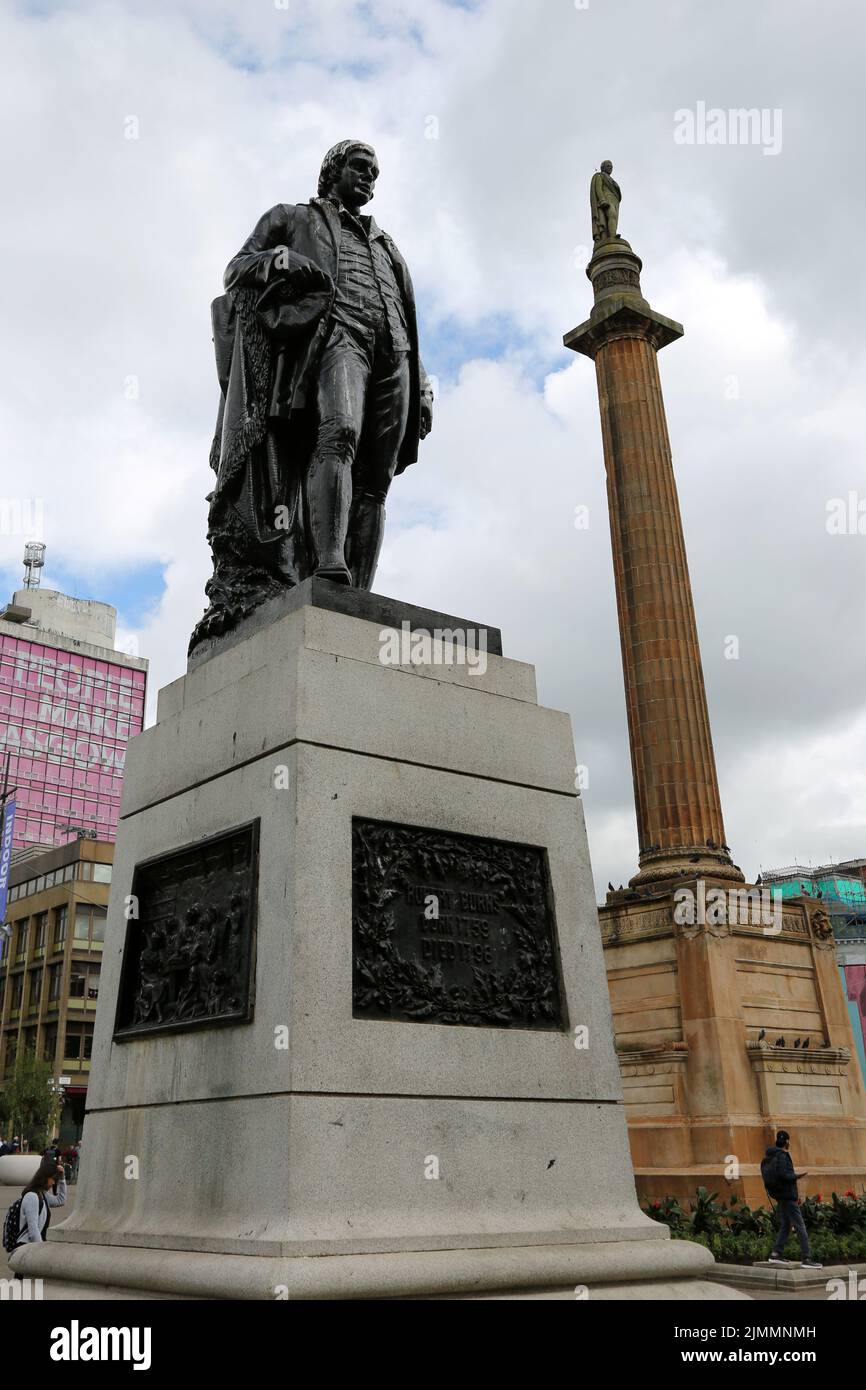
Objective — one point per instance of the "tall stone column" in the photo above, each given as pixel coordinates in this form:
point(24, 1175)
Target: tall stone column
point(702, 1004)
point(679, 814)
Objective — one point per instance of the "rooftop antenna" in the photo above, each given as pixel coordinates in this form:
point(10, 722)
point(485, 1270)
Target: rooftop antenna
point(34, 559)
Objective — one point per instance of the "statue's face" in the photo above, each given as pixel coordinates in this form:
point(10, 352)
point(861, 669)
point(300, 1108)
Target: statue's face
point(357, 181)
point(606, 166)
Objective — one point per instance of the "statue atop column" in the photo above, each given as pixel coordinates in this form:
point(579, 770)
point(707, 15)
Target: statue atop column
point(604, 200)
point(324, 397)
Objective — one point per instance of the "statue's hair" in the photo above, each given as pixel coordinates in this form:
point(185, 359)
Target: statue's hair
point(335, 159)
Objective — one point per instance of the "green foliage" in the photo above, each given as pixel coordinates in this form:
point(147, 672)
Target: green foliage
point(827, 1247)
point(740, 1234)
point(745, 1248)
point(845, 1214)
point(743, 1220)
point(707, 1213)
point(30, 1099)
point(669, 1211)
point(815, 1212)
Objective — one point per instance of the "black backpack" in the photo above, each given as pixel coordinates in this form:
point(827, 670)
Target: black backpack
point(770, 1174)
point(12, 1224)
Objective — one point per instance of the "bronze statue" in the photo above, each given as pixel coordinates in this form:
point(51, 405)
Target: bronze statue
point(604, 200)
point(324, 395)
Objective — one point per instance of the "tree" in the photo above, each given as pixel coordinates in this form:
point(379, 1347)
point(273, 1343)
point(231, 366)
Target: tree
point(31, 1099)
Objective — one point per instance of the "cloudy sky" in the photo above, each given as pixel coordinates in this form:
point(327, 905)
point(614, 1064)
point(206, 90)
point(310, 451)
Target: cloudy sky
point(142, 142)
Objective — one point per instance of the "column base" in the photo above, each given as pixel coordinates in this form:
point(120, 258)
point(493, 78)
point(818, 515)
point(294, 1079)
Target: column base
point(665, 868)
point(730, 1023)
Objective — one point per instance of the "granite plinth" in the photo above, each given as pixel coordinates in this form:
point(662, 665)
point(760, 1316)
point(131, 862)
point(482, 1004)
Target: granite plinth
point(317, 1152)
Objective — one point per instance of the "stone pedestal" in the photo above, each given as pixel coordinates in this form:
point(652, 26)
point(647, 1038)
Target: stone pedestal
point(704, 1096)
point(354, 1125)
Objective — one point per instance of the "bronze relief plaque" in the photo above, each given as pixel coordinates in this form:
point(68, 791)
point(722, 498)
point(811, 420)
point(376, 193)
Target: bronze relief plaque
point(452, 928)
point(189, 957)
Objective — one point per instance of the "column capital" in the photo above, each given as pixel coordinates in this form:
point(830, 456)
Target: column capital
point(620, 310)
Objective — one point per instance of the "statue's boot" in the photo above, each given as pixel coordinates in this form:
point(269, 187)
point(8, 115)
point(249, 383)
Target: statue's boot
point(328, 499)
point(366, 529)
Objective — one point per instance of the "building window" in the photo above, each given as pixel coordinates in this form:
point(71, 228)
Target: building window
point(78, 1044)
point(55, 981)
point(72, 1043)
point(49, 1045)
point(35, 989)
point(21, 936)
point(17, 990)
point(11, 1054)
point(102, 873)
point(84, 982)
point(61, 918)
point(90, 923)
point(41, 930)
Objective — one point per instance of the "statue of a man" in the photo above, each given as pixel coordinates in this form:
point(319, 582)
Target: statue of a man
point(324, 395)
point(604, 200)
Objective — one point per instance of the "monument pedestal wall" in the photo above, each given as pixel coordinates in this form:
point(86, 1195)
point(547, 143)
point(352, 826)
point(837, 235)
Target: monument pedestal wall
point(375, 1109)
point(689, 1002)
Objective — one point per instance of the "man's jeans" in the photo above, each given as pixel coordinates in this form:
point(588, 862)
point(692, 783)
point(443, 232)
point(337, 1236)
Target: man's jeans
point(791, 1216)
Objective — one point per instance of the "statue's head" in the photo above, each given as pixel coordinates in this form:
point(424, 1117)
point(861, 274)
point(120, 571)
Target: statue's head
point(606, 166)
point(350, 171)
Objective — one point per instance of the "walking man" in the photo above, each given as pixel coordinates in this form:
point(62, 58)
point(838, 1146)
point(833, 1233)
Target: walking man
point(780, 1180)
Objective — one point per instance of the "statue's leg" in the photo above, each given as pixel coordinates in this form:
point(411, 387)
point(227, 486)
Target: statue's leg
point(340, 395)
point(387, 413)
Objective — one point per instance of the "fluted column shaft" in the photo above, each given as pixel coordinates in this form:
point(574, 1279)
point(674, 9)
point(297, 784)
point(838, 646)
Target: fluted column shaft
point(679, 814)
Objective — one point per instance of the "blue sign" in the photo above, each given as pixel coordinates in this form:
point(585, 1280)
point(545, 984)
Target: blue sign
point(6, 854)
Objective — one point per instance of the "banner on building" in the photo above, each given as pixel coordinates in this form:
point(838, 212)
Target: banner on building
point(6, 857)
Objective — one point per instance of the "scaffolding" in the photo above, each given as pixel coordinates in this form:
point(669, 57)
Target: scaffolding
point(841, 888)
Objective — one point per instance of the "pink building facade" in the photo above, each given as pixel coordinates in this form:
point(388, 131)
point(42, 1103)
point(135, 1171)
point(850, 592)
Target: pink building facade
point(66, 717)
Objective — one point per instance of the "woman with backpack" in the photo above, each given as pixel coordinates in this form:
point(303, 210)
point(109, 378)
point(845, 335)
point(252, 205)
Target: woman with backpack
point(47, 1189)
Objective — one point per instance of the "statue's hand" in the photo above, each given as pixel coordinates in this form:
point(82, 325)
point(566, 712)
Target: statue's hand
point(426, 424)
point(305, 278)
